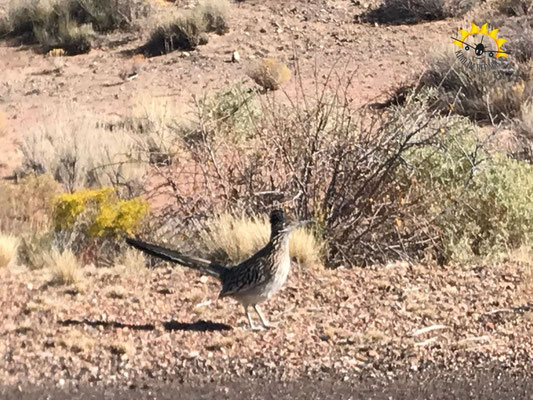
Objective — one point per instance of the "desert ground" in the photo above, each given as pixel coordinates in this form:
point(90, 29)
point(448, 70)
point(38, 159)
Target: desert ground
point(74, 326)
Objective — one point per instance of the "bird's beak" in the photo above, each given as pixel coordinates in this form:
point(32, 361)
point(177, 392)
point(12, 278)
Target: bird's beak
point(298, 224)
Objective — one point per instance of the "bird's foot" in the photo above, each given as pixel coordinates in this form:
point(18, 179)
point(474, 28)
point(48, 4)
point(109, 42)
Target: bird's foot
point(271, 325)
point(255, 328)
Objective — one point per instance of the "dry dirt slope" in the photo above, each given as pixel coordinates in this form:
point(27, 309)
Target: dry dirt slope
point(320, 33)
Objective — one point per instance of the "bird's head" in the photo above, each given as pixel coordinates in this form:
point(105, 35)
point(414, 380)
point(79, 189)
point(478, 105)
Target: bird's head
point(280, 224)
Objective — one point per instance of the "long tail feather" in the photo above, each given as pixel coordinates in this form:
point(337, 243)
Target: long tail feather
point(200, 264)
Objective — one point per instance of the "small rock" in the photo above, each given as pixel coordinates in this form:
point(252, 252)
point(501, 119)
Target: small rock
point(235, 57)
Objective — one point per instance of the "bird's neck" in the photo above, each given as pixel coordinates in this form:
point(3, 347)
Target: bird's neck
point(279, 240)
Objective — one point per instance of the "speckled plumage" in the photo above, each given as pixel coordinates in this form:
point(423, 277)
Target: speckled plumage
point(254, 280)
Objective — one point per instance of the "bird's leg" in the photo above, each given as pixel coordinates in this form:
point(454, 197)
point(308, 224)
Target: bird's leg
point(250, 320)
point(265, 323)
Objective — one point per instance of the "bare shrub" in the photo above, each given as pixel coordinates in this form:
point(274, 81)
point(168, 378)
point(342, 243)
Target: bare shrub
point(8, 250)
point(270, 74)
point(5, 26)
point(317, 157)
point(526, 118)
point(381, 185)
point(523, 131)
point(519, 32)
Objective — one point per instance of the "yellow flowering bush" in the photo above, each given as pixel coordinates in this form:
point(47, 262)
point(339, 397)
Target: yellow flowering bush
point(117, 217)
point(99, 211)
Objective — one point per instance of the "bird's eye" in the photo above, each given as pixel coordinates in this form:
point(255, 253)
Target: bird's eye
point(467, 47)
point(491, 54)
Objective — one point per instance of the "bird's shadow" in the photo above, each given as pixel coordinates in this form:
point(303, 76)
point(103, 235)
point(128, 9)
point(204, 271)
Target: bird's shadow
point(197, 326)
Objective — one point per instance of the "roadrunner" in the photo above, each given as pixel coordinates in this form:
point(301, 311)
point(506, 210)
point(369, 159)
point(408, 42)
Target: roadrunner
point(252, 281)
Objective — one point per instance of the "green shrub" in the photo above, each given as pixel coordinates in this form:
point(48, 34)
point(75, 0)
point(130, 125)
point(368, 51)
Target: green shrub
point(483, 214)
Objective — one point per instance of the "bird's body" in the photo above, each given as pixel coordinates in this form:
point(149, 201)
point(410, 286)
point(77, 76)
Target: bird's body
point(251, 282)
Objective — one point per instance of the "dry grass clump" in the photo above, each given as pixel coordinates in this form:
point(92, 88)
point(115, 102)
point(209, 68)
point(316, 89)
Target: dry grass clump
point(49, 23)
point(524, 256)
point(131, 262)
point(270, 74)
point(181, 32)
point(8, 249)
point(481, 96)
point(215, 15)
point(155, 123)
point(188, 30)
point(27, 204)
point(80, 154)
point(395, 12)
point(524, 132)
point(515, 7)
point(233, 239)
point(64, 267)
point(70, 24)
